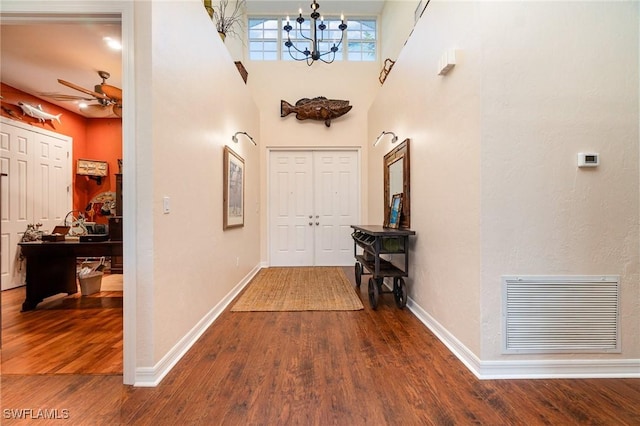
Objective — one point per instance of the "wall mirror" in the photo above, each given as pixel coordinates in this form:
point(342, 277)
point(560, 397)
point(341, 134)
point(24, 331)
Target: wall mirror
point(396, 181)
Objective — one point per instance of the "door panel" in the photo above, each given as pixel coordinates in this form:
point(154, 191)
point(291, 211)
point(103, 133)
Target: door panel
point(289, 207)
point(336, 204)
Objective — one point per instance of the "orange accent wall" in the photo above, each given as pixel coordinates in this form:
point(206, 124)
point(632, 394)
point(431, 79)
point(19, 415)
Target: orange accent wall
point(94, 139)
point(104, 143)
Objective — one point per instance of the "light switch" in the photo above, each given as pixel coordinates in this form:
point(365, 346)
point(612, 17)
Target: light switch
point(588, 159)
point(166, 205)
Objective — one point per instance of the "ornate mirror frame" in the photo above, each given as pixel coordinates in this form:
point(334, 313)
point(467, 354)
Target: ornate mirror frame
point(399, 153)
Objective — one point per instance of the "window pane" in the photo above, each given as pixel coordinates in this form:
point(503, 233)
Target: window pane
point(267, 38)
point(270, 56)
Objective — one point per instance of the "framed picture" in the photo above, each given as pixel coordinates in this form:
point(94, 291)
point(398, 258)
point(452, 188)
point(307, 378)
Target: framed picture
point(92, 168)
point(395, 211)
point(233, 193)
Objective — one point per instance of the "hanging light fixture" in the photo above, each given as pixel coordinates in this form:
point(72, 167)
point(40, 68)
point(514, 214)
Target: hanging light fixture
point(314, 38)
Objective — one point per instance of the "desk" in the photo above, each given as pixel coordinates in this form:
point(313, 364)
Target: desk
point(51, 266)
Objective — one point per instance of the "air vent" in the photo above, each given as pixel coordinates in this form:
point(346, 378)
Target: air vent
point(561, 314)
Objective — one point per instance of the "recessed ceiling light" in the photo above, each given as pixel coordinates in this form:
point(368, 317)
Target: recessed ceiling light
point(82, 105)
point(112, 43)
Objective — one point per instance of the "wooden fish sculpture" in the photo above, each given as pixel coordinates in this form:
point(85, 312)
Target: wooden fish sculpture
point(319, 108)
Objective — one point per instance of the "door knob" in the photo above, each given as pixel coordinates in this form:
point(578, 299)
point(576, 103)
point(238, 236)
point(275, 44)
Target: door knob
point(310, 223)
point(317, 223)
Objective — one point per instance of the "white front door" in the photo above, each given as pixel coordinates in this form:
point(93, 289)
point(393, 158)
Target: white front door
point(36, 189)
point(313, 199)
point(336, 206)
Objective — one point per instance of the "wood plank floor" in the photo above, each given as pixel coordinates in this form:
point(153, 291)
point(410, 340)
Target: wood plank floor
point(320, 368)
point(64, 335)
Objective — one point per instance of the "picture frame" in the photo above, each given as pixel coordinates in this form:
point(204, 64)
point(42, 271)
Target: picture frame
point(233, 192)
point(397, 179)
point(395, 211)
point(92, 168)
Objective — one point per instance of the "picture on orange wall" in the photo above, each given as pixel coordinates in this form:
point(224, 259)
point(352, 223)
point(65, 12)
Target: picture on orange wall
point(103, 204)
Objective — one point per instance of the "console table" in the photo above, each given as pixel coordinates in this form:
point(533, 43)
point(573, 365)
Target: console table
point(376, 241)
point(51, 266)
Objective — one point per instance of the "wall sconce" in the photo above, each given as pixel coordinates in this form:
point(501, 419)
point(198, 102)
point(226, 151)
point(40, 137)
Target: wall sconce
point(379, 138)
point(235, 137)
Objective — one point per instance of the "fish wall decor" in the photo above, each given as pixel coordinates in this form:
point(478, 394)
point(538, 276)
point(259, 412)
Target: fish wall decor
point(37, 112)
point(319, 108)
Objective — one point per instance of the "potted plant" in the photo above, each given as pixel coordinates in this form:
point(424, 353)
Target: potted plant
point(226, 18)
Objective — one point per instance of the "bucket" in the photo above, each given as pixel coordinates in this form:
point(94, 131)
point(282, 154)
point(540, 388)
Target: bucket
point(91, 278)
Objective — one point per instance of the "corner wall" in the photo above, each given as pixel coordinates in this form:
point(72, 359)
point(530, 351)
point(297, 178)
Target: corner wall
point(495, 187)
point(440, 116)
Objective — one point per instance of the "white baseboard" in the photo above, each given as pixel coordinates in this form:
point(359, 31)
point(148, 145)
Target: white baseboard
point(152, 376)
point(527, 368)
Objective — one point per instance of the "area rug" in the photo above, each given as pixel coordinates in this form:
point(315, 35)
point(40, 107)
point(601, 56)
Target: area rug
point(299, 289)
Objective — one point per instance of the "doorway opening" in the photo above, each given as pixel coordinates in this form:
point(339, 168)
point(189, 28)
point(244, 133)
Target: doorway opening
point(100, 11)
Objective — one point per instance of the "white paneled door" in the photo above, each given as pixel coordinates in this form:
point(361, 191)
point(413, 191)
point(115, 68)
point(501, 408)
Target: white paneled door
point(314, 197)
point(36, 189)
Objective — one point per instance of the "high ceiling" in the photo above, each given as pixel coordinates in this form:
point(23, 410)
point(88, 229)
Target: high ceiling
point(36, 51)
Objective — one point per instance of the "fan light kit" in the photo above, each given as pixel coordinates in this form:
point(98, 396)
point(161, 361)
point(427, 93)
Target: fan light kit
point(112, 43)
point(109, 97)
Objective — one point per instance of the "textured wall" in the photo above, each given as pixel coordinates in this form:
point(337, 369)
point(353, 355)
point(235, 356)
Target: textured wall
point(495, 186)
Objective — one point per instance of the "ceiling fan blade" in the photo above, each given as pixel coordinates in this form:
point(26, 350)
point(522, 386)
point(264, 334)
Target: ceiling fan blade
point(111, 91)
point(97, 111)
point(117, 110)
point(83, 90)
point(62, 97)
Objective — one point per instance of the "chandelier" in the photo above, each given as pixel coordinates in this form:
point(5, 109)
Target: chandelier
point(314, 39)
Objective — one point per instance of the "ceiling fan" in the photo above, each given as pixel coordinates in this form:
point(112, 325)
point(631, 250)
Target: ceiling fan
point(109, 97)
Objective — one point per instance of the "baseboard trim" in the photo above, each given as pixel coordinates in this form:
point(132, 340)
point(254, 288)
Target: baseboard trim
point(152, 376)
point(527, 368)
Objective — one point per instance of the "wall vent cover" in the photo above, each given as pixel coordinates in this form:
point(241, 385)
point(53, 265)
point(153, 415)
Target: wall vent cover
point(560, 314)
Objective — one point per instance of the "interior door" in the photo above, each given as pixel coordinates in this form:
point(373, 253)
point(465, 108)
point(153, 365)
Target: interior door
point(336, 206)
point(36, 189)
point(291, 207)
point(313, 200)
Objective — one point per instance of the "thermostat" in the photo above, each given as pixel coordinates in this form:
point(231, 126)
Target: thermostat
point(588, 159)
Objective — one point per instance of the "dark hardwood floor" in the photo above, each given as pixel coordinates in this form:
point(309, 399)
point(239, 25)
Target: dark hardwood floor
point(64, 335)
point(320, 368)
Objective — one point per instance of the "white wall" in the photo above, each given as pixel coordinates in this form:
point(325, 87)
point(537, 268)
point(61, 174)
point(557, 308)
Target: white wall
point(395, 26)
point(495, 187)
point(549, 92)
point(271, 82)
point(191, 101)
point(440, 116)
